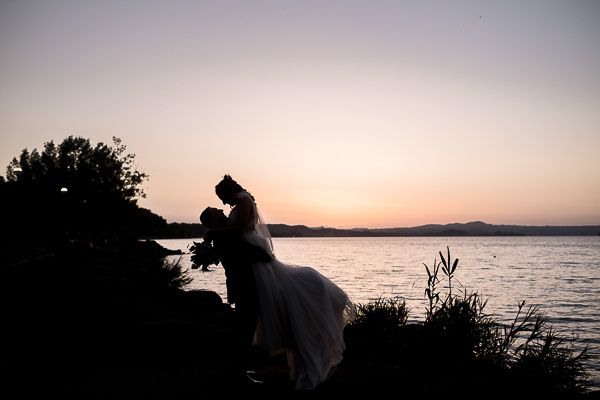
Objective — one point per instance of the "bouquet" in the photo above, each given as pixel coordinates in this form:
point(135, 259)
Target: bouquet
point(203, 255)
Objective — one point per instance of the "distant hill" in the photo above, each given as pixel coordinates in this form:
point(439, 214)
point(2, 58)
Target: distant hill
point(477, 228)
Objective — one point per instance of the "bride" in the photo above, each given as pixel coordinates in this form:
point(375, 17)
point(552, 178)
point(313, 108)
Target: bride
point(301, 312)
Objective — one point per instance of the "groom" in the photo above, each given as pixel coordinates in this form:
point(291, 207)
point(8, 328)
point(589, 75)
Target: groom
point(236, 255)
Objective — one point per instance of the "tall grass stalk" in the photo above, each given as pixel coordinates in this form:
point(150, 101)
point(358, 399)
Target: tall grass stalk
point(528, 349)
point(460, 349)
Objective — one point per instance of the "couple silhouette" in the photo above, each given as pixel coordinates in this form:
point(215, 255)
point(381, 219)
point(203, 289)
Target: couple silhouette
point(279, 307)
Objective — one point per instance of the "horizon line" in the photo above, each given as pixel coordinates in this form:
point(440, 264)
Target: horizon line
point(414, 226)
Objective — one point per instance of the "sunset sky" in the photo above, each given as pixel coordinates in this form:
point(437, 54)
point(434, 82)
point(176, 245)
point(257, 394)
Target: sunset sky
point(333, 113)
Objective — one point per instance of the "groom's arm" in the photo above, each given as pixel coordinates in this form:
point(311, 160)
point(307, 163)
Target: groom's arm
point(232, 245)
point(225, 233)
point(230, 242)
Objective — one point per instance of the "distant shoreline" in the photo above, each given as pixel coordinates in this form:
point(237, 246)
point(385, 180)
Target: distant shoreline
point(470, 229)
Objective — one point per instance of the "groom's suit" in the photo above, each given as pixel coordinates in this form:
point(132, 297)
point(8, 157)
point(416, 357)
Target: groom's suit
point(237, 256)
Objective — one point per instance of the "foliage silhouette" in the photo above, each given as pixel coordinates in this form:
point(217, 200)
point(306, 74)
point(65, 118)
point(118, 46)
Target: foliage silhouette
point(459, 349)
point(74, 191)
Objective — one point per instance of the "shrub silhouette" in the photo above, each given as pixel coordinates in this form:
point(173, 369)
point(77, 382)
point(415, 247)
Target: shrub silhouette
point(459, 348)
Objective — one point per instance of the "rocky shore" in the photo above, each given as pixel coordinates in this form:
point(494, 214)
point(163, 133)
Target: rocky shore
point(109, 322)
point(106, 323)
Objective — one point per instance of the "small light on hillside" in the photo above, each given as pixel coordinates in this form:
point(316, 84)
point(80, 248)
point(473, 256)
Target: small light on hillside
point(64, 189)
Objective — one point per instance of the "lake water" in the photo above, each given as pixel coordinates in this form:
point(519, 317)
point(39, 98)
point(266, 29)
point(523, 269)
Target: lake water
point(561, 274)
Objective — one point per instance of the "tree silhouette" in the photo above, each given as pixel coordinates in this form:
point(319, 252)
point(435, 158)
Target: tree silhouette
point(74, 190)
point(81, 168)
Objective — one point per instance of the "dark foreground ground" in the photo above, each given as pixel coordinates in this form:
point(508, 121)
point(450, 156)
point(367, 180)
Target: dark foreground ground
point(92, 324)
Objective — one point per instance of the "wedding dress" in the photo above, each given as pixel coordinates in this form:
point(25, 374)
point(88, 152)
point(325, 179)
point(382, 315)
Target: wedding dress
point(301, 312)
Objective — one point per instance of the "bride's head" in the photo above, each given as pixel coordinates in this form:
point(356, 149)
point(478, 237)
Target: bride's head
point(227, 190)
